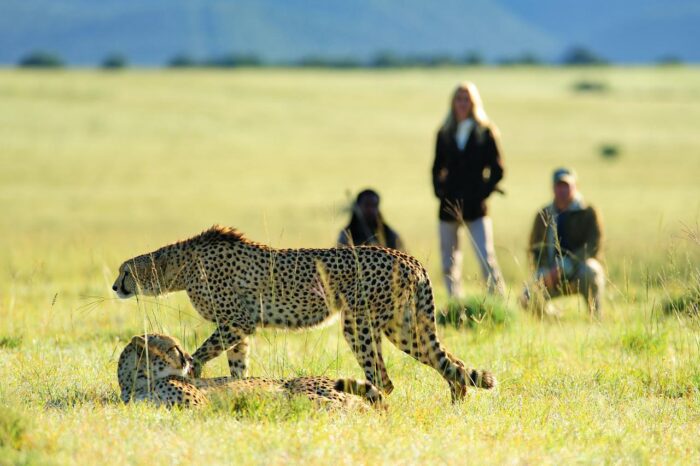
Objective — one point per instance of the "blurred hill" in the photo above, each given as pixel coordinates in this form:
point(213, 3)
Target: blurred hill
point(151, 32)
point(620, 30)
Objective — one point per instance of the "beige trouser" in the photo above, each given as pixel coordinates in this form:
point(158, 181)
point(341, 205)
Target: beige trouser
point(588, 279)
point(481, 237)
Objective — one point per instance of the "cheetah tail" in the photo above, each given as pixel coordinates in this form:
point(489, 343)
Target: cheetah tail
point(361, 388)
point(478, 378)
point(482, 379)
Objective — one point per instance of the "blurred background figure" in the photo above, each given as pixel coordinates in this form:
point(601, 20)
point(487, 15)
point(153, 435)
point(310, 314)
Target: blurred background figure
point(367, 226)
point(466, 170)
point(565, 246)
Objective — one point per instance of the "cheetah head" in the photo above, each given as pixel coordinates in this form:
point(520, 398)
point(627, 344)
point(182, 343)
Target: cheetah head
point(143, 275)
point(166, 356)
point(148, 358)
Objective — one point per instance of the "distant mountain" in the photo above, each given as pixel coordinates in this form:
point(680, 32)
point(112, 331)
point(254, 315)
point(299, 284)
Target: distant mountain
point(620, 30)
point(150, 32)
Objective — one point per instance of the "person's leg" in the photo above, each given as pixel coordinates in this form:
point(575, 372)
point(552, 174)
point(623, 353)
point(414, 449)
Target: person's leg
point(481, 231)
point(451, 258)
point(592, 285)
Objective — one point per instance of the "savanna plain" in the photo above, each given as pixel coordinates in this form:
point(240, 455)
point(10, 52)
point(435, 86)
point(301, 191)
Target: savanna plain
point(97, 167)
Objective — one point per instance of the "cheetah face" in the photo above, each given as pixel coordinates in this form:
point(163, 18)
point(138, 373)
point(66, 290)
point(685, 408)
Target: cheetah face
point(166, 356)
point(140, 275)
point(176, 362)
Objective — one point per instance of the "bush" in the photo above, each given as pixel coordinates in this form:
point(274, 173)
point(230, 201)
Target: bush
point(590, 86)
point(182, 61)
point(582, 56)
point(386, 59)
point(476, 311)
point(609, 151)
point(10, 342)
point(326, 62)
point(524, 59)
point(688, 304)
point(233, 60)
point(643, 341)
point(114, 61)
point(41, 59)
point(669, 60)
point(472, 58)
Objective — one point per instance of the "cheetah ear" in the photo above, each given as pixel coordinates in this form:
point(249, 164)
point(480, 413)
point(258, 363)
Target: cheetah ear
point(139, 341)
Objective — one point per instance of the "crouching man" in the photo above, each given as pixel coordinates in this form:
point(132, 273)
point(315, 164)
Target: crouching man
point(565, 246)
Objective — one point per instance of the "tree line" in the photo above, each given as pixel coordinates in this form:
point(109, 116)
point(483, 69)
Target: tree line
point(574, 56)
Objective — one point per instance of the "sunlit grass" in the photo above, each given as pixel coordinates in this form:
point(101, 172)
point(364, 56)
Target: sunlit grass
point(96, 168)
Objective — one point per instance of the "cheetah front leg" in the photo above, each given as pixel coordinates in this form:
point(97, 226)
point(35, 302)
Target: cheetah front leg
point(224, 338)
point(238, 359)
point(366, 343)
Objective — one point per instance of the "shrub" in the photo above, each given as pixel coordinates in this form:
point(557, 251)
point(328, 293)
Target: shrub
point(41, 59)
point(609, 151)
point(669, 60)
point(476, 311)
point(114, 61)
point(233, 60)
point(642, 341)
point(10, 342)
point(182, 61)
point(579, 55)
point(590, 86)
point(386, 59)
point(473, 58)
point(688, 304)
point(317, 61)
point(524, 59)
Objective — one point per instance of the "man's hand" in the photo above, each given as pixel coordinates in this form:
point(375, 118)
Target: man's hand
point(551, 279)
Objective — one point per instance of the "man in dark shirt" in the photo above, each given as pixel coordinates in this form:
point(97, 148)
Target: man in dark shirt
point(367, 226)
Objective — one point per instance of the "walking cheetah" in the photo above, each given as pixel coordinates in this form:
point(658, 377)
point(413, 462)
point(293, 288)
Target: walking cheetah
point(156, 368)
point(241, 285)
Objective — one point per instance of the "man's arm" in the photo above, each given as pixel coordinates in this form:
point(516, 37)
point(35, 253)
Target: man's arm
point(594, 236)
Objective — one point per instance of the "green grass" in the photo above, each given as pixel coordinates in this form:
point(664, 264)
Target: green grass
point(476, 312)
point(96, 168)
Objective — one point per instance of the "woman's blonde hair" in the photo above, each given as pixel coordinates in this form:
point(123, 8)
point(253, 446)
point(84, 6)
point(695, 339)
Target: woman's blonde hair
point(478, 113)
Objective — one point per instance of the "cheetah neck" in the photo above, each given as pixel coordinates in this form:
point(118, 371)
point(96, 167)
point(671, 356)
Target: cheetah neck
point(174, 261)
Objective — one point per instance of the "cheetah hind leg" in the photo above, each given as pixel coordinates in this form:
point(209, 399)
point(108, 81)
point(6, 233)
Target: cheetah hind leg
point(427, 349)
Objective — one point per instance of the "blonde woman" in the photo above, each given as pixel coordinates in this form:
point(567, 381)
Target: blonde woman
point(466, 170)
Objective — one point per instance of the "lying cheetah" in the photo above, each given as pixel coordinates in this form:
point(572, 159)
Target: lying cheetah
point(155, 368)
point(241, 285)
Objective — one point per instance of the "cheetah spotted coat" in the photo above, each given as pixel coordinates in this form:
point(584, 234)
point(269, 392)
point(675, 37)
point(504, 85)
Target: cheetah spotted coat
point(155, 368)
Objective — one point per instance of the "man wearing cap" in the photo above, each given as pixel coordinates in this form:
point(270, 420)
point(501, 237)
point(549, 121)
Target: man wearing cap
point(565, 246)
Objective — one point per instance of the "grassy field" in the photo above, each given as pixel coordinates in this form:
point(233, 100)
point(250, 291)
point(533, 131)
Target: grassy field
point(98, 167)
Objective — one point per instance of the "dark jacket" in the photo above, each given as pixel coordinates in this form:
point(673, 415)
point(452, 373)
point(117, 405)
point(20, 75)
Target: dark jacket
point(581, 230)
point(466, 178)
point(358, 233)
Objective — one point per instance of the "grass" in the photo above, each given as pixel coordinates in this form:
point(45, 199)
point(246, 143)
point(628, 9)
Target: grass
point(96, 168)
point(476, 311)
